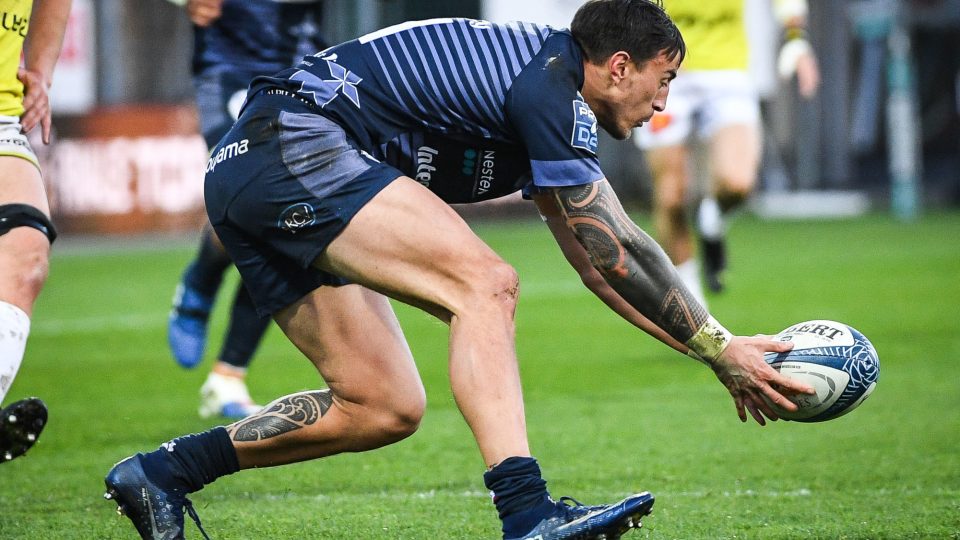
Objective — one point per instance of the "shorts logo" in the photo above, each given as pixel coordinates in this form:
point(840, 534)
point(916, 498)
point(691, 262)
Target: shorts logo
point(297, 216)
point(584, 134)
point(226, 152)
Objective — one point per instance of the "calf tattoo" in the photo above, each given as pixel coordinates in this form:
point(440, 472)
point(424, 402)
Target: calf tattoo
point(631, 262)
point(284, 415)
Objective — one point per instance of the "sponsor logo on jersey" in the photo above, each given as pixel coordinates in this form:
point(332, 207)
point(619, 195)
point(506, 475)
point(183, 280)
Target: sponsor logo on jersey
point(11, 22)
point(297, 216)
point(425, 166)
point(227, 152)
point(584, 134)
point(480, 166)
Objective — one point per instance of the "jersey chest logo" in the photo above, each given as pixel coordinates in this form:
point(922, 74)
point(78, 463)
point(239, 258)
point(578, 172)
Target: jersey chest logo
point(584, 134)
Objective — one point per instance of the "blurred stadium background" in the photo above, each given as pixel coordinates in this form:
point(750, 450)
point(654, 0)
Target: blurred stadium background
point(883, 133)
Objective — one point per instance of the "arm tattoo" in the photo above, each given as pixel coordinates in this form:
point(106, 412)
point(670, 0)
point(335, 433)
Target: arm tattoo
point(631, 262)
point(284, 415)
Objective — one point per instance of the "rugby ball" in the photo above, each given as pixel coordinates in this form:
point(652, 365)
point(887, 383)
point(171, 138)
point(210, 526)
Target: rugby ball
point(835, 359)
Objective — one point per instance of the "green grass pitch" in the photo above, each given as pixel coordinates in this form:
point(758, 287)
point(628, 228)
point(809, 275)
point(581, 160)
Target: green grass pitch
point(610, 411)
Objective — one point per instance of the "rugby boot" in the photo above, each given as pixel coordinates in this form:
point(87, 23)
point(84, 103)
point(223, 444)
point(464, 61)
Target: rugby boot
point(714, 262)
point(575, 521)
point(20, 425)
point(187, 325)
point(156, 513)
point(711, 228)
point(222, 395)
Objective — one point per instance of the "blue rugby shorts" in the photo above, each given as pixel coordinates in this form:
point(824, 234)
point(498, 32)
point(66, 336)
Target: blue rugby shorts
point(280, 186)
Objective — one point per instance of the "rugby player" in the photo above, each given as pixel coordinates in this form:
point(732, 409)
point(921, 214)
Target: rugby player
point(715, 100)
point(234, 41)
point(35, 30)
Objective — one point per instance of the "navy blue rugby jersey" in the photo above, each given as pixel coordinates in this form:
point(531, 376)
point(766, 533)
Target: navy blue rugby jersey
point(258, 36)
point(512, 90)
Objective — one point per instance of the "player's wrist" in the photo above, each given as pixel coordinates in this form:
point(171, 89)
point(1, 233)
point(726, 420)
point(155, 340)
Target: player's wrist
point(709, 341)
point(795, 32)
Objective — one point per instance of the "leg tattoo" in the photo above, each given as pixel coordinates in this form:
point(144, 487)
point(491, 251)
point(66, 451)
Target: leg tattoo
point(284, 415)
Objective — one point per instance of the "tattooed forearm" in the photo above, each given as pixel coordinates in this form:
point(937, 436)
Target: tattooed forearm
point(631, 262)
point(284, 415)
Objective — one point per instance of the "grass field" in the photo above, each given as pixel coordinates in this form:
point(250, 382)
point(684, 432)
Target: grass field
point(610, 410)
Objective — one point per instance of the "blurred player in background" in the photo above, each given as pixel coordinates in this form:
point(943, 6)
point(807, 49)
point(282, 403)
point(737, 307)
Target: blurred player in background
point(235, 40)
point(33, 30)
point(304, 194)
point(715, 99)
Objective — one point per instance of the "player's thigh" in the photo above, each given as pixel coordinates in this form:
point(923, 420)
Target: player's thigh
point(21, 183)
point(409, 244)
point(23, 250)
point(731, 127)
point(735, 156)
point(352, 336)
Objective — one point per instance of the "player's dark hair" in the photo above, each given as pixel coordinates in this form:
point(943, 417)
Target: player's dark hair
point(640, 27)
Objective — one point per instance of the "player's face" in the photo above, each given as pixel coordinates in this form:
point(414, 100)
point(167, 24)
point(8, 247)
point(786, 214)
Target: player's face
point(642, 92)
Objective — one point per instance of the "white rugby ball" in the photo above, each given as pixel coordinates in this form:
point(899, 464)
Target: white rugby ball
point(835, 359)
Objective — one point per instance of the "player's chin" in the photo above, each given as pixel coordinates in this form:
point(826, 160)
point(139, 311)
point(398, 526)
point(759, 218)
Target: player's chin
point(620, 133)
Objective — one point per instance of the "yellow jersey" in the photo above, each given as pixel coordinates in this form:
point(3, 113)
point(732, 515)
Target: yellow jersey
point(714, 31)
point(14, 22)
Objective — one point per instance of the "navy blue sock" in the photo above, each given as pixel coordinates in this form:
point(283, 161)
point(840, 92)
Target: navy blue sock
point(205, 273)
point(520, 494)
point(244, 332)
point(190, 462)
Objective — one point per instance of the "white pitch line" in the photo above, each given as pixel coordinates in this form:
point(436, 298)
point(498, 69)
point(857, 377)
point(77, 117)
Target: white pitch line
point(478, 494)
point(97, 323)
point(150, 321)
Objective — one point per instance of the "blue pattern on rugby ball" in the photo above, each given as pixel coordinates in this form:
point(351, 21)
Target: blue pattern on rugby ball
point(836, 359)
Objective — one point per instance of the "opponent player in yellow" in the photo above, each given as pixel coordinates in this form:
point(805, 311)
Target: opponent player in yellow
point(714, 99)
point(34, 28)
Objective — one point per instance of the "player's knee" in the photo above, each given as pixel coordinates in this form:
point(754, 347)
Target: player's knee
point(400, 421)
point(29, 260)
point(500, 284)
point(732, 191)
point(672, 203)
point(673, 212)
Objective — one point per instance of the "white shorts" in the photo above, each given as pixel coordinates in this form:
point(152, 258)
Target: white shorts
point(13, 142)
point(700, 103)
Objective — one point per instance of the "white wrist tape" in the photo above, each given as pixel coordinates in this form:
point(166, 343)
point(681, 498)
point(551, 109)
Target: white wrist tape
point(790, 55)
point(709, 341)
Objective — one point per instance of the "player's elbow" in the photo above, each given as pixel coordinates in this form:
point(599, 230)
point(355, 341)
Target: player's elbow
point(592, 279)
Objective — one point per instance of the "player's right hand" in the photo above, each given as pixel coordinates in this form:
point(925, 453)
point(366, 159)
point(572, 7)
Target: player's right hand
point(36, 102)
point(204, 12)
point(742, 369)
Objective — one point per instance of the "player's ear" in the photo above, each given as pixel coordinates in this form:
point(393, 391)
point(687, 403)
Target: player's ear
point(617, 65)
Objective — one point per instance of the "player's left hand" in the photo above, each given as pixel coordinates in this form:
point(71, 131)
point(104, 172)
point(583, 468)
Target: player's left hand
point(742, 369)
point(36, 102)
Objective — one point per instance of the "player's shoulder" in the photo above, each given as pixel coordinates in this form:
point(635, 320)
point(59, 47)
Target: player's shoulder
point(558, 63)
